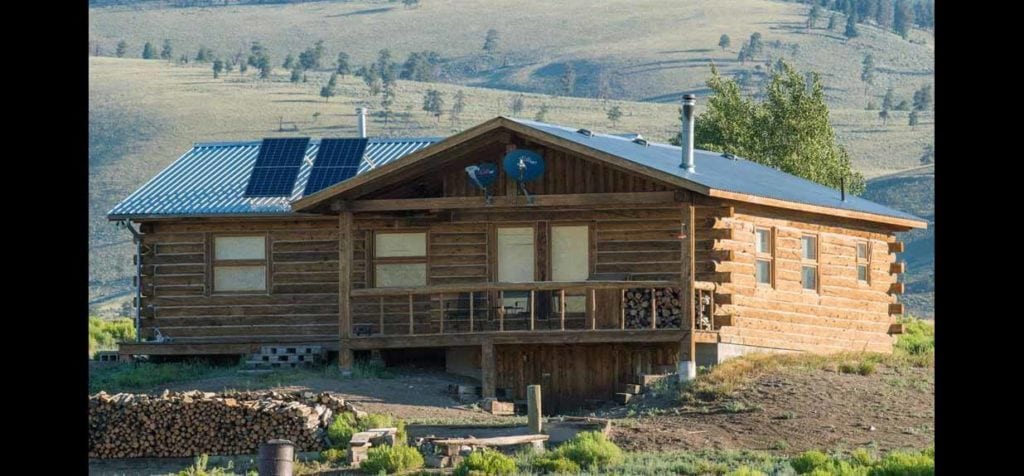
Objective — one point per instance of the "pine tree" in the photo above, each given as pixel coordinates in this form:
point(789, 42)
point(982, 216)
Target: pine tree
point(569, 80)
point(833, 22)
point(329, 89)
point(341, 65)
point(410, 3)
point(790, 130)
point(867, 72)
point(492, 41)
point(296, 74)
point(851, 26)
point(148, 51)
point(813, 16)
point(311, 58)
point(433, 102)
point(923, 98)
point(457, 107)
point(229, 66)
point(542, 113)
point(614, 114)
point(289, 62)
point(385, 67)
point(387, 100)
point(204, 54)
point(518, 103)
point(218, 66)
point(903, 18)
point(122, 48)
point(263, 63)
point(756, 45)
point(903, 105)
point(912, 118)
point(884, 15)
point(884, 114)
point(242, 68)
point(889, 100)
point(724, 41)
point(928, 157)
point(166, 52)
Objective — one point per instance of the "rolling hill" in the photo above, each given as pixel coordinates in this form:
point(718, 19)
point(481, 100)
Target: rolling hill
point(144, 113)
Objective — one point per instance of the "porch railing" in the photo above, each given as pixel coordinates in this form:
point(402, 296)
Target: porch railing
point(535, 306)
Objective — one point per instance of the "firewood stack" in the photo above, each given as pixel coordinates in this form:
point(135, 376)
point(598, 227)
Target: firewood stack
point(639, 310)
point(191, 423)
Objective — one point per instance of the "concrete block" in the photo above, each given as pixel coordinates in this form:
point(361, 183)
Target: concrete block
point(687, 370)
point(623, 398)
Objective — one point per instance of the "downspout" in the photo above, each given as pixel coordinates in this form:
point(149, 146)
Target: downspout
point(137, 239)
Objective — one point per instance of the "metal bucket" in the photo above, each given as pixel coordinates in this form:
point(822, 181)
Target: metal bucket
point(276, 458)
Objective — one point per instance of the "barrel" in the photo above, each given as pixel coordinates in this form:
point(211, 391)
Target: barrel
point(276, 458)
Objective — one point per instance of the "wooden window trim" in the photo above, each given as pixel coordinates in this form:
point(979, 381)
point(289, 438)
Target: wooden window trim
point(866, 262)
point(769, 256)
point(373, 260)
point(813, 262)
point(213, 263)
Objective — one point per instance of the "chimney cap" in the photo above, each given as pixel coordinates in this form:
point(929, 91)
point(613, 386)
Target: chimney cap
point(689, 96)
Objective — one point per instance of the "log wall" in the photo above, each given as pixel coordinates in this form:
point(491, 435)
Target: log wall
point(845, 315)
point(302, 256)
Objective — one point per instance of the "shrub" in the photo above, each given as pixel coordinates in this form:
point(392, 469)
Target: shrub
point(488, 462)
point(862, 457)
point(808, 461)
point(332, 455)
point(340, 430)
point(745, 471)
point(905, 464)
point(864, 367)
point(591, 450)
point(377, 420)
point(104, 334)
point(918, 338)
point(391, 459)
point(552, 463)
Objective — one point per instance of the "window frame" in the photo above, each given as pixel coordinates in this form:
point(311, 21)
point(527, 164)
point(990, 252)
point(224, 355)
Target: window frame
point(375, 260)
point(550, 261)
point(811, 262)
point(865, 262)
point(214, 263)
point(762, 256)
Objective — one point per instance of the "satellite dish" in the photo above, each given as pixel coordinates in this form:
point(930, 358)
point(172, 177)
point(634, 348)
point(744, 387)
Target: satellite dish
point(523, 165)
point(483, 175)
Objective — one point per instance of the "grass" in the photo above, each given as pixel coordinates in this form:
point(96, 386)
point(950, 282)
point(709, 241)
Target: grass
point(144, 114)
point(730, 462)
point(145, 376)
point(104, 334)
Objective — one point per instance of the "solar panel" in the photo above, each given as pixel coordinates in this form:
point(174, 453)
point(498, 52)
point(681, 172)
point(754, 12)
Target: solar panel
point(337, 160)
point(276, 167)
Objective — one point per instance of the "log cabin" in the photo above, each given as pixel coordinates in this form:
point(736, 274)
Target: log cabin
point(622, 257)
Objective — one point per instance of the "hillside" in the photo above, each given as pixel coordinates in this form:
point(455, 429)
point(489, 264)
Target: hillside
point(144, 114)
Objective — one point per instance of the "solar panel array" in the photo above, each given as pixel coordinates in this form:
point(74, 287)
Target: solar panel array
point(337, 160)
point(276, 167)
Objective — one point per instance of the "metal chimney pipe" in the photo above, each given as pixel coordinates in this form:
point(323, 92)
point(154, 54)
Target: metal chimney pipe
point(686, 138)
point(361, 120)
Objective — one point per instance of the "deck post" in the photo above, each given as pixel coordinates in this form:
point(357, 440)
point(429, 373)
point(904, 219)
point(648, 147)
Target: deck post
point(687, 369)
point(345, 356)
point(487, 369)
point(533, 408)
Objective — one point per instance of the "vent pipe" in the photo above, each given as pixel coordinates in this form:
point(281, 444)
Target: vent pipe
point(686, 138)
point(361, 120)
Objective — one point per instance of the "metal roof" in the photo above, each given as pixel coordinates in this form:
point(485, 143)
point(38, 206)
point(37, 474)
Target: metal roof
point(210, 179)
point(715, 171)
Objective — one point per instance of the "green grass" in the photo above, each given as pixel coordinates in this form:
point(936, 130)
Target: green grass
point(391, 459)
point(146, 376)
point(487, 462)
point(104, 334)
point(729, 462)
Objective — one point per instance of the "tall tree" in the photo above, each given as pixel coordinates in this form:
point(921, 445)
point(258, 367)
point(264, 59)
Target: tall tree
point(329, 89)
point(756, 44)
point(166, 52)
point(744, 54)
point(310, 59)
point(724, 41)
point(341, 65)
point(813, 16)
point(218, 66)
point(542, 113)
point(604, 87)
point(204, 54)
point(289, 62)
point(387, 102)
point(385, 67)
point(884, 14)
point(903, 18)
point(518, 103)
point(492, 41)
point(889, 100)
point(614, 114)
point(569, 80)
point(912, 118)
point(867, 72)
point(411, 3)
point(928, 157)
point(263, 64)
point(296, 75)
point(433, 102)
point(923, 98)
point(148, 51)
point(122, 48)
point(421, 66)
point(851, 26)
point(457, 107)
point(884, 114)
point(924, 13)
point(833, 22)
point(790, 130)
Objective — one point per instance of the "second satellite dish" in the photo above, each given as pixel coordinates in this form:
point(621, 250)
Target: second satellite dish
point(523, 165)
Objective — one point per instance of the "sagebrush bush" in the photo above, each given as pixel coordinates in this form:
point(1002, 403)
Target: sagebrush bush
point(391, 459)
point(808, 460)
point(555, 464)
point(591, 450)
point(340, 430)
point(487, 462)
point(345, 425)
point(745, 471)
point(332, 455)
point(104, 334)
point(905, 464)
point(918, 338)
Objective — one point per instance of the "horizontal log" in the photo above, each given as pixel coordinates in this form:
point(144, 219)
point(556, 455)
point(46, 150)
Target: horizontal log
point(538, 286)
point(896, 247)
point(898, 268)
point(274, 319)
point(306, 246)
point(896, 309)
point(539, 200)
point(896, 288)
point(517, 337)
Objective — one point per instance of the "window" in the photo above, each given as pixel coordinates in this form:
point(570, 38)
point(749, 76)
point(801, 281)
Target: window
point(240, 264)
point(516, 261)
point(809, 262)
point(764, 250)
point(399, 259)
point(863, 262)
point(570, 261)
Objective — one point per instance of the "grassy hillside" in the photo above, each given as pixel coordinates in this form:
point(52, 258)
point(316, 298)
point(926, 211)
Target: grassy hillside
point(144, 114)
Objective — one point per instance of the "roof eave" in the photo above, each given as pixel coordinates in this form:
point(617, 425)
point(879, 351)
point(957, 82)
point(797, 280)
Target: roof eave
point(804, 207)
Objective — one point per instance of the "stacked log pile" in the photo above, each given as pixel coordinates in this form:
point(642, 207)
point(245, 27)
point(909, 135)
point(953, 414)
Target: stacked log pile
point(191, 423)
point(639, 310)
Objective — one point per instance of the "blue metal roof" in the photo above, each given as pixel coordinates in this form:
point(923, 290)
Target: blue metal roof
point(210, 179)
point(715, 171)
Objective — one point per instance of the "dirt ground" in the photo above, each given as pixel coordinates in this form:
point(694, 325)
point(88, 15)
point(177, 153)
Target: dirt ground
point(795, 410)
